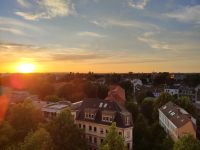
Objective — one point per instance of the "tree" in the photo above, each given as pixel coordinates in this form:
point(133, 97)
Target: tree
point(133, 108)
point(147, 108)
point(24, 117)
point(163, 99)
point(141, 134)
point(167, 143)
point(6, 134)
point(65, 134)
point(52, 98)
point(186, 103)
point(187, 142)
point(38, 140)
point(113, 141)
point(102, 91)
point(90, 90)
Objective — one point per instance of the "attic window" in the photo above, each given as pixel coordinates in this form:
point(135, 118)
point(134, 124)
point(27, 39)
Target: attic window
point(127, 120)
point(107, 118)
point(89, 115)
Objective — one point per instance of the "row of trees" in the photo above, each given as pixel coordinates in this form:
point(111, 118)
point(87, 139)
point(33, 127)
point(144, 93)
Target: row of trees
point(24, 128)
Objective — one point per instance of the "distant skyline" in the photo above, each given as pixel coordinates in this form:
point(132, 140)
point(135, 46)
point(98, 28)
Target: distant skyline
point(100, 35)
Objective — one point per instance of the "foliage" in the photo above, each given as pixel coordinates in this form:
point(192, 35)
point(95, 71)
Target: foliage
point(113, 141)
point(186, 103)
point(6, 134)
point(141, 134)
point(102, 91)
point(52, 98)
point(147, 109)
point(65, 134)
point(90, 90)
point(133, 109)
point(38, 140)
point(24, 117)
point(167, 143)
point(187, 143)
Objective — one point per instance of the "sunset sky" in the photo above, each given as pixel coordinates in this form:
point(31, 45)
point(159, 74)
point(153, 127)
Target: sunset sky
point(100, 35)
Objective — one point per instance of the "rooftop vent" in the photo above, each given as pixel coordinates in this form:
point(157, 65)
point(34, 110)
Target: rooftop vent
point(105, 105)
point(100, 105)
point(173, 113)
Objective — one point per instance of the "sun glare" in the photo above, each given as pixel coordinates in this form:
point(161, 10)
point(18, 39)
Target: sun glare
point(26, 68)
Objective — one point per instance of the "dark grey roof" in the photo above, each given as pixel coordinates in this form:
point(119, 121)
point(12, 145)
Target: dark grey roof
point(111, 106)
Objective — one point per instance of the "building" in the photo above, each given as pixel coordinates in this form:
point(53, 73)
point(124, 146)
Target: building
point(157, 92)
point(197, 94)
point(51, 110)
point(95, 116)
point(176, 121)
point(116, 93)
point(187, 92)
point(173, 90)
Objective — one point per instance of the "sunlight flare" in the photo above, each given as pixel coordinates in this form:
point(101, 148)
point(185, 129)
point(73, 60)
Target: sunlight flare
point(26, 68)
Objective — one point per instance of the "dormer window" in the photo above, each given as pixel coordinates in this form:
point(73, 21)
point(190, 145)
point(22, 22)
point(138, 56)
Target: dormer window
point(107, 118)
point(90, 114)
point(127, 120)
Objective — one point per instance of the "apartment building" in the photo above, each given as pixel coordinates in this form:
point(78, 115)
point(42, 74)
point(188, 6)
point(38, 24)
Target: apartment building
point(176, 121)
point(95, 117)
point(51, 110)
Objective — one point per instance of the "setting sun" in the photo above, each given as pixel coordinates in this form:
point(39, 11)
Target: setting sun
point(26, 68)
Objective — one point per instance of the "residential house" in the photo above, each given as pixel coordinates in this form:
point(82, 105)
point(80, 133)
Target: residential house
point(95, 116)
point(52, 110)
point(116, 93)
point(176, 121)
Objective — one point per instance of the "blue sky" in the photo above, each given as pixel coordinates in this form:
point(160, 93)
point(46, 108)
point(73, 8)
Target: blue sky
point(101, 35)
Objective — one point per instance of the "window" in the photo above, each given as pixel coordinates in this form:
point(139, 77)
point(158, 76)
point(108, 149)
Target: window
point(89, 115)
point(127, 120)
point(101, 140)
point(107, 118)
point(83, 126)
point(120, 133)
point(90, 128)
point(95, 129)
point(95, 140)
point(79, 125)
point(101, 130)
point(128, 145)
point(106, 131)
point(128, 134)
point(90, 139)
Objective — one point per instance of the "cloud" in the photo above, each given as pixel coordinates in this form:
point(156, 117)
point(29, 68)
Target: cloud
point(16, 27)
point(104, 23)
point(24, 3)
point(91, 34)
point(10, 22)
point(188, 14)
point(138, 4)
point(148, 39)
point(13, 31)
point(47, 9)
point(17, 51)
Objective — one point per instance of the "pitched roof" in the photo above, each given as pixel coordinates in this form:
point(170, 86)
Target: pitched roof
point(103, 106)
point(177, 115)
